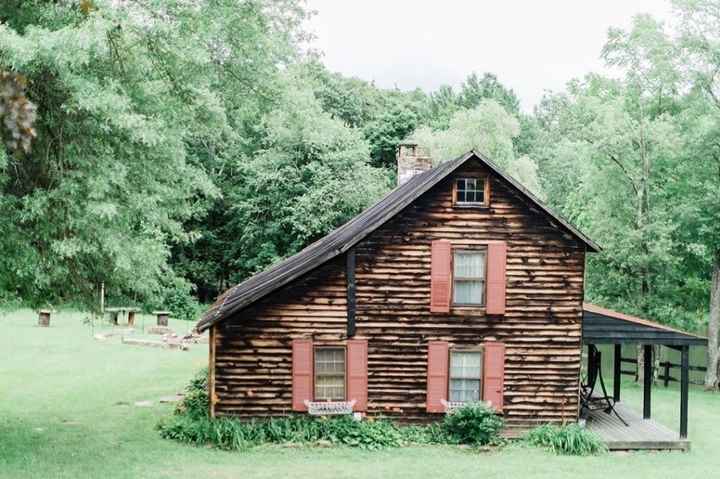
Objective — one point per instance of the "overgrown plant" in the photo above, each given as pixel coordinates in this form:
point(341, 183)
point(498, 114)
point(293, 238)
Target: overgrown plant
point(474, 424)
point(570, 440)
point(196, 403)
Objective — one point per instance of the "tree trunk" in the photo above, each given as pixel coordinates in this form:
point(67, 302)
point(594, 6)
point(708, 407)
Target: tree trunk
point(711, 376)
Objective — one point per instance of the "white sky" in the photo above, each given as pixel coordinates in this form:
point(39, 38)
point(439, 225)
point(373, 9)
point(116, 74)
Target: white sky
point(531, 45)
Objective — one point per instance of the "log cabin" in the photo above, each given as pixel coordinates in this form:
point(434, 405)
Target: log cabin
point(459, 285)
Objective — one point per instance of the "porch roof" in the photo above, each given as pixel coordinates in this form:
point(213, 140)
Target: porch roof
point(601, 325)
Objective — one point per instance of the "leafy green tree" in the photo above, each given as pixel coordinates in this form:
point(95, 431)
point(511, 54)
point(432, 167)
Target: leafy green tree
point(699, 42)
point(311, 175)
point(488, 128)
point(132, 117)
point(476, 89)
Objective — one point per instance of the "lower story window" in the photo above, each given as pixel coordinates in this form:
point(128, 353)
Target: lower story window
point(329, 374)
point(465, 376)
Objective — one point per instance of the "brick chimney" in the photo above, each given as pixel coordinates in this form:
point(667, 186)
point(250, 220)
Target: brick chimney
point(411, 160)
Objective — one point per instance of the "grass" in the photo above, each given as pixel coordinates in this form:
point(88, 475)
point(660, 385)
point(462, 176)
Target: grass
point(66, 411)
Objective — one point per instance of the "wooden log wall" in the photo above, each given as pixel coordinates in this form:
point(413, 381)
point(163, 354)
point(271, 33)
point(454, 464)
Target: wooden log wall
point(541, 327)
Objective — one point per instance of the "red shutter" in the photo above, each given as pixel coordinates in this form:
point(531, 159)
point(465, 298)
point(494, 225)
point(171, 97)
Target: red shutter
point(357, 372)
point(437, 375)
point(494, 374)
point(440, 276)
point(496, 282)
point(302, 373)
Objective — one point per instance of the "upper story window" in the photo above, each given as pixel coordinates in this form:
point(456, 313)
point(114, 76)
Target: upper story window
point(471, 192)
point(329, 374)
point(469, 277)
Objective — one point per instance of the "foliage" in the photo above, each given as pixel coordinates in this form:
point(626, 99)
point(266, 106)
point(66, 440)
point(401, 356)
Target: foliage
point(474, 424)
point(310, 176)
point(570, 440)
point(229, 433)
point(139, 105)
point(196, 402)
point(488, 128)
point(177, 297)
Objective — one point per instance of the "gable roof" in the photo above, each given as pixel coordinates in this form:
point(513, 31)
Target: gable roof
point(348, 235)
point(602, 325)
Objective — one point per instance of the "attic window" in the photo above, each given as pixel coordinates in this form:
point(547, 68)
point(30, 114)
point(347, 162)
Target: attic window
point(471, 192)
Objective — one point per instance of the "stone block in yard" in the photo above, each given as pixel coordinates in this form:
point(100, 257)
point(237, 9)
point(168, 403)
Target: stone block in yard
point(44, 318)
point(161, 330)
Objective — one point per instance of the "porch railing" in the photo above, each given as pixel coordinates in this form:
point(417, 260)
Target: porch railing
point(665, 366)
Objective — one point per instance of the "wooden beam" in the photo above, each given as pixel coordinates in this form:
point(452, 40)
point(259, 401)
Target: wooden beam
point(211, 371)
point(647, 382)
point(684, 382)
point(351, 291)
point(617, 372)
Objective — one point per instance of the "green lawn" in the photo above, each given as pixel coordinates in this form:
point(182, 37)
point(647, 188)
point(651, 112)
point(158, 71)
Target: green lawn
point(67, 410)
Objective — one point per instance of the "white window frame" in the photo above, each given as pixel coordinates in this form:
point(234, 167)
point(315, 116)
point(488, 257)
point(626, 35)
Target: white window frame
point(479, 187)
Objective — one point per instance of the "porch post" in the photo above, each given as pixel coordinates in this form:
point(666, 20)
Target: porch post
point(684, 383)
point(617, 372)
point(647, 379)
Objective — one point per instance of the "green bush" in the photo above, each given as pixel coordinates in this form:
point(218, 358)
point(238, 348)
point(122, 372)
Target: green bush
point(229, 433)
point(474, 424)
point(176, 296)
point(431, 434)
point(571, 440)
point(196, 402)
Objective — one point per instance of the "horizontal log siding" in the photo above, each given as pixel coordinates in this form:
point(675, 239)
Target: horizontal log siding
point(541, 327)
point(253, 365)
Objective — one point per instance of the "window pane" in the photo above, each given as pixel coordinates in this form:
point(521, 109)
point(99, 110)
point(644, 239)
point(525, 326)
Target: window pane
point(330, 388)
point(465, 365)
point(464, 390)
point(468, 264)
point(468, 292)
point(470, 190)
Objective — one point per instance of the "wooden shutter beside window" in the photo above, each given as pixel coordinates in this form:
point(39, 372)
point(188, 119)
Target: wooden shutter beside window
point(357, 373)
point(437, 375)
point(496, 278)
point(494, 374)
point(302, 373)
point(440, 276)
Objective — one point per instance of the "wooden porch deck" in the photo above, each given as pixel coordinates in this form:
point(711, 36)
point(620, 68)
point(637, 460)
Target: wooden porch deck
point(640, 434)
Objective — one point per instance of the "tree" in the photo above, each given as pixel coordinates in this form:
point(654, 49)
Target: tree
point(700, 43)
point(132, 116)
point(488, 128)
point(311, 175)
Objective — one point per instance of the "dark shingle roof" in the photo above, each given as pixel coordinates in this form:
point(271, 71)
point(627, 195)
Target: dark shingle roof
point(348, 235)
point(601, 325)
